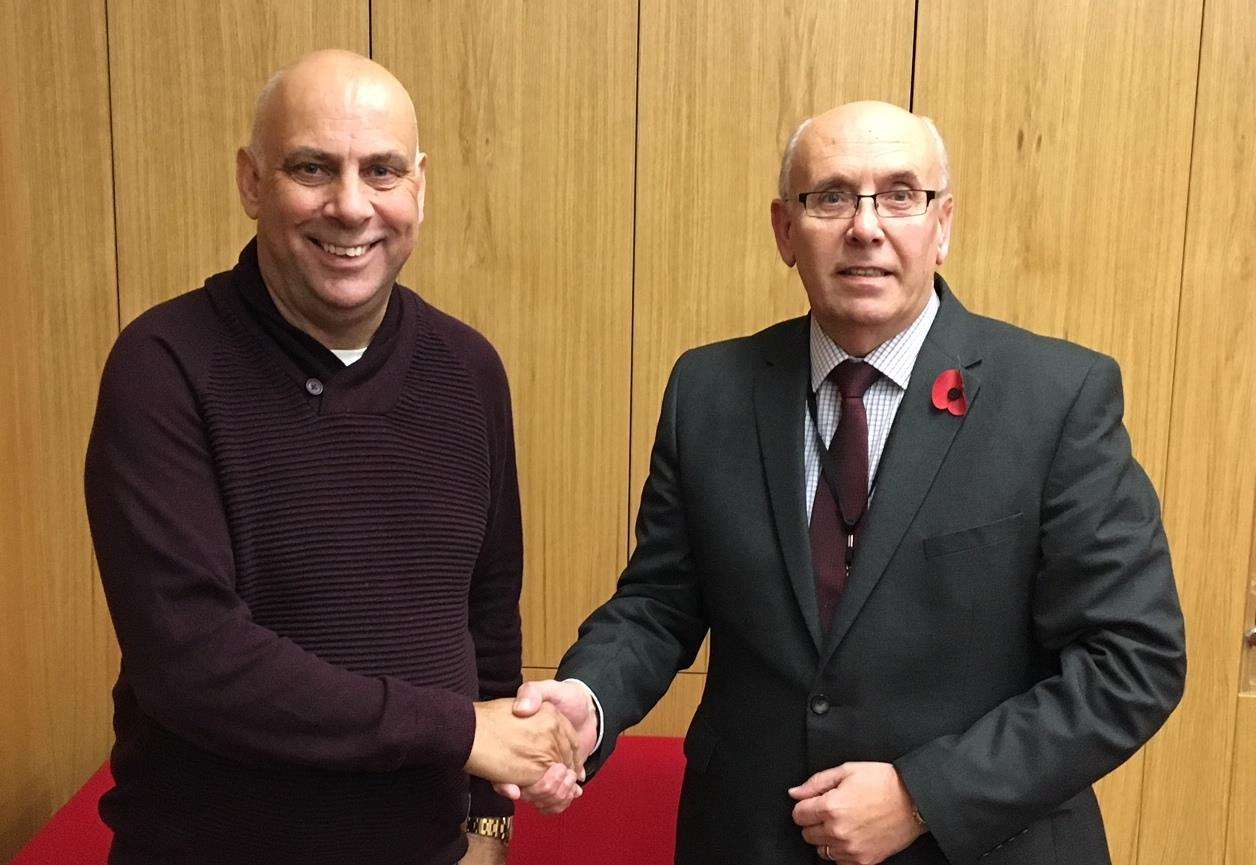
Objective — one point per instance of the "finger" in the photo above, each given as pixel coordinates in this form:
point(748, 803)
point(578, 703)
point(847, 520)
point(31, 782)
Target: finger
point(556, 777)
point(811, 812)
point(544, 788)
point(568, 743)
point(557, 800)
point(510, 791)
point(817, 836)
point(820, 782)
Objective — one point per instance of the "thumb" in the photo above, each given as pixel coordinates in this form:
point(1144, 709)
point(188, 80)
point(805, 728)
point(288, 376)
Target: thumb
point(820, 782)
point(510, 791)
point(528, 700)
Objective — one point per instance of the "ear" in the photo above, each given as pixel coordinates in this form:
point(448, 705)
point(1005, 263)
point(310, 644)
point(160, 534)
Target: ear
point(946, 218)
point(782, 227)
point(420, 184)
point(249, 182)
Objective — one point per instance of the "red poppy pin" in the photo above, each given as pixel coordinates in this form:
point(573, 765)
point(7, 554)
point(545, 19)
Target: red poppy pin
point(948, 392)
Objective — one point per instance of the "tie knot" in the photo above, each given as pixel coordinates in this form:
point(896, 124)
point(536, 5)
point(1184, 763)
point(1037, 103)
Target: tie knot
point(854, 377)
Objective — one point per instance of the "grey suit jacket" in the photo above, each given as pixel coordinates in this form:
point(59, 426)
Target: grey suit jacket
point(1010, 632)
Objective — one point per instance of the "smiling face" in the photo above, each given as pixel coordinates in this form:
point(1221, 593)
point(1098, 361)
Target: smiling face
point(332, 180)
point(867, 277)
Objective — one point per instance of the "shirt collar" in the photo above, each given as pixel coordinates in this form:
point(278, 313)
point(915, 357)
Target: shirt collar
point(893, 358)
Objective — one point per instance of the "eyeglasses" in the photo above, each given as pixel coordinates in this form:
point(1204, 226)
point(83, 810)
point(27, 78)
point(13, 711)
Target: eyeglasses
point(893, 203)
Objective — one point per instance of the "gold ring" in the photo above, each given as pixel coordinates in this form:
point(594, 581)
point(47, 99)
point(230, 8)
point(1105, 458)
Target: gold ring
point(827, 855)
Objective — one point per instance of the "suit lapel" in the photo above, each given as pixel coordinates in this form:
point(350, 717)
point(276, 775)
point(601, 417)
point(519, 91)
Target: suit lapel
point(779, 402)
point(917, 444)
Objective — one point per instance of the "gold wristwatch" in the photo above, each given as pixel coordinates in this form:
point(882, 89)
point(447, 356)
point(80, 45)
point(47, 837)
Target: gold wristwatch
point(500, 828)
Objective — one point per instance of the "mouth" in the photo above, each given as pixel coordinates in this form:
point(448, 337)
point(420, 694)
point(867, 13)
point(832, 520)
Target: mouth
point(345, 252)
point(864, 272)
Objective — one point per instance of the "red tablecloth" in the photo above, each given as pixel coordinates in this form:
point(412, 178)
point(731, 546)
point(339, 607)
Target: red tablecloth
point(627, 816)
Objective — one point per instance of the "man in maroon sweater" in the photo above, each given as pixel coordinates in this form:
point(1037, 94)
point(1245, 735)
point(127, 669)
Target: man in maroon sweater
point(302, 490)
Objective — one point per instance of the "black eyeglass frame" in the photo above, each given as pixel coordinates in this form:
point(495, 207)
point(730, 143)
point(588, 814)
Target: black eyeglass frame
point(930, 195)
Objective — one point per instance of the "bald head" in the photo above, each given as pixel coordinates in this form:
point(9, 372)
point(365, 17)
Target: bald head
point(334, 177)
point(859, 125)
point(330, 81)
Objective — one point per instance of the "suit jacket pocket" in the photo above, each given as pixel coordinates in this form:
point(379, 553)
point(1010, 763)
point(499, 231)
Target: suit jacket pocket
point(700, 744)
point(978, 536)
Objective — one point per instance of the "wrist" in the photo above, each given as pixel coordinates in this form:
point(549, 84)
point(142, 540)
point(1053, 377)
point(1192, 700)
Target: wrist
point(498, 828)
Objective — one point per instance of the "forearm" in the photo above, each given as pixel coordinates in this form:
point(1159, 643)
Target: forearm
point(1105, 608)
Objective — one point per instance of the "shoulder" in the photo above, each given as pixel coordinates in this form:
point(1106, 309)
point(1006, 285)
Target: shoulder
point(728, 358)
point(1041, 370)
point(174, 339)
point(467, 346)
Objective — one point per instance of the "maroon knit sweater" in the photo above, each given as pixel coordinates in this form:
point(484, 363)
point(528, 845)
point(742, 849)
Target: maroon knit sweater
point(313, 570)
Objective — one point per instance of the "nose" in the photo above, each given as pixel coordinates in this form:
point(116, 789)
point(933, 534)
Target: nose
point(350, 201)
point(865, 225)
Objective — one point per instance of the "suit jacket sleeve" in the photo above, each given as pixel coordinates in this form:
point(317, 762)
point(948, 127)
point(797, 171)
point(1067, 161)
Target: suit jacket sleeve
point(1105, 606)
point(631, 647)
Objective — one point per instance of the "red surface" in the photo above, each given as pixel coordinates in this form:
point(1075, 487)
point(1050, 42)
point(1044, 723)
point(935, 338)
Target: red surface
point(627, 816)
point(74, 835)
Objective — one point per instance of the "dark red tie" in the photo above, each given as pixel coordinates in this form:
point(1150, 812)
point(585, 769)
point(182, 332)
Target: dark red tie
point(832, 528)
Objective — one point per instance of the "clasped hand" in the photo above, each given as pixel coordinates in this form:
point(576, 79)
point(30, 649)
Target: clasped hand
point(557, 784)
point(856, 813)
point(513, 748)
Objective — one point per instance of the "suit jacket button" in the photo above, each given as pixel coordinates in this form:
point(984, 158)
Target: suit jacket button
point(819, 704)
point(314, 386)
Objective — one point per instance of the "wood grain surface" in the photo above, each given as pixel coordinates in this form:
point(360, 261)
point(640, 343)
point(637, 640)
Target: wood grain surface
point(1241, 838)
point(1210, 488)
point(57, 657)
point(185, 75)
point(526, 112)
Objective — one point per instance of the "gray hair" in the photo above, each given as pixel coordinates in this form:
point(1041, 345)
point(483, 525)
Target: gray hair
point(787, 160)
point(263, 96)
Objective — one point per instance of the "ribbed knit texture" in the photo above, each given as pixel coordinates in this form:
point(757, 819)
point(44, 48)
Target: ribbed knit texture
point(311, 704)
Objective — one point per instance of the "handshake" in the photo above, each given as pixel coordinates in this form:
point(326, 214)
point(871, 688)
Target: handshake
point(534, 746)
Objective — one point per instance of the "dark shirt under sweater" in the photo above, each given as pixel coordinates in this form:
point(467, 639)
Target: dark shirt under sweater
point(313, 570)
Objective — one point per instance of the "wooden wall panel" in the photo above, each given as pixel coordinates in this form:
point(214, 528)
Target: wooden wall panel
point(57, 658)
point(1241, 839)
point(1210, 488)
point(185, 76)
point(1051, 111)
point(722, 87)
point(526, 113)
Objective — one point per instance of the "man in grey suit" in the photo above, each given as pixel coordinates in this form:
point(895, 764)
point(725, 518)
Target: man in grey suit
point(935, 579)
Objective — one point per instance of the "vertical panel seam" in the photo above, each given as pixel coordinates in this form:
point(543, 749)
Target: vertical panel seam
point(370, 29)
point(632, 307)
point(113, 177)
point(915, 35)
point(1177, 339)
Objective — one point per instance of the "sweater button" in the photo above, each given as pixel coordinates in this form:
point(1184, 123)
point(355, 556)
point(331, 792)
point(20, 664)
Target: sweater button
point(314, 386)
point(820, 704)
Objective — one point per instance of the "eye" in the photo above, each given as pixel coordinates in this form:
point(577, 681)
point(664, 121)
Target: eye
point(381, 175)
point(832, 198)
point(307, 172)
